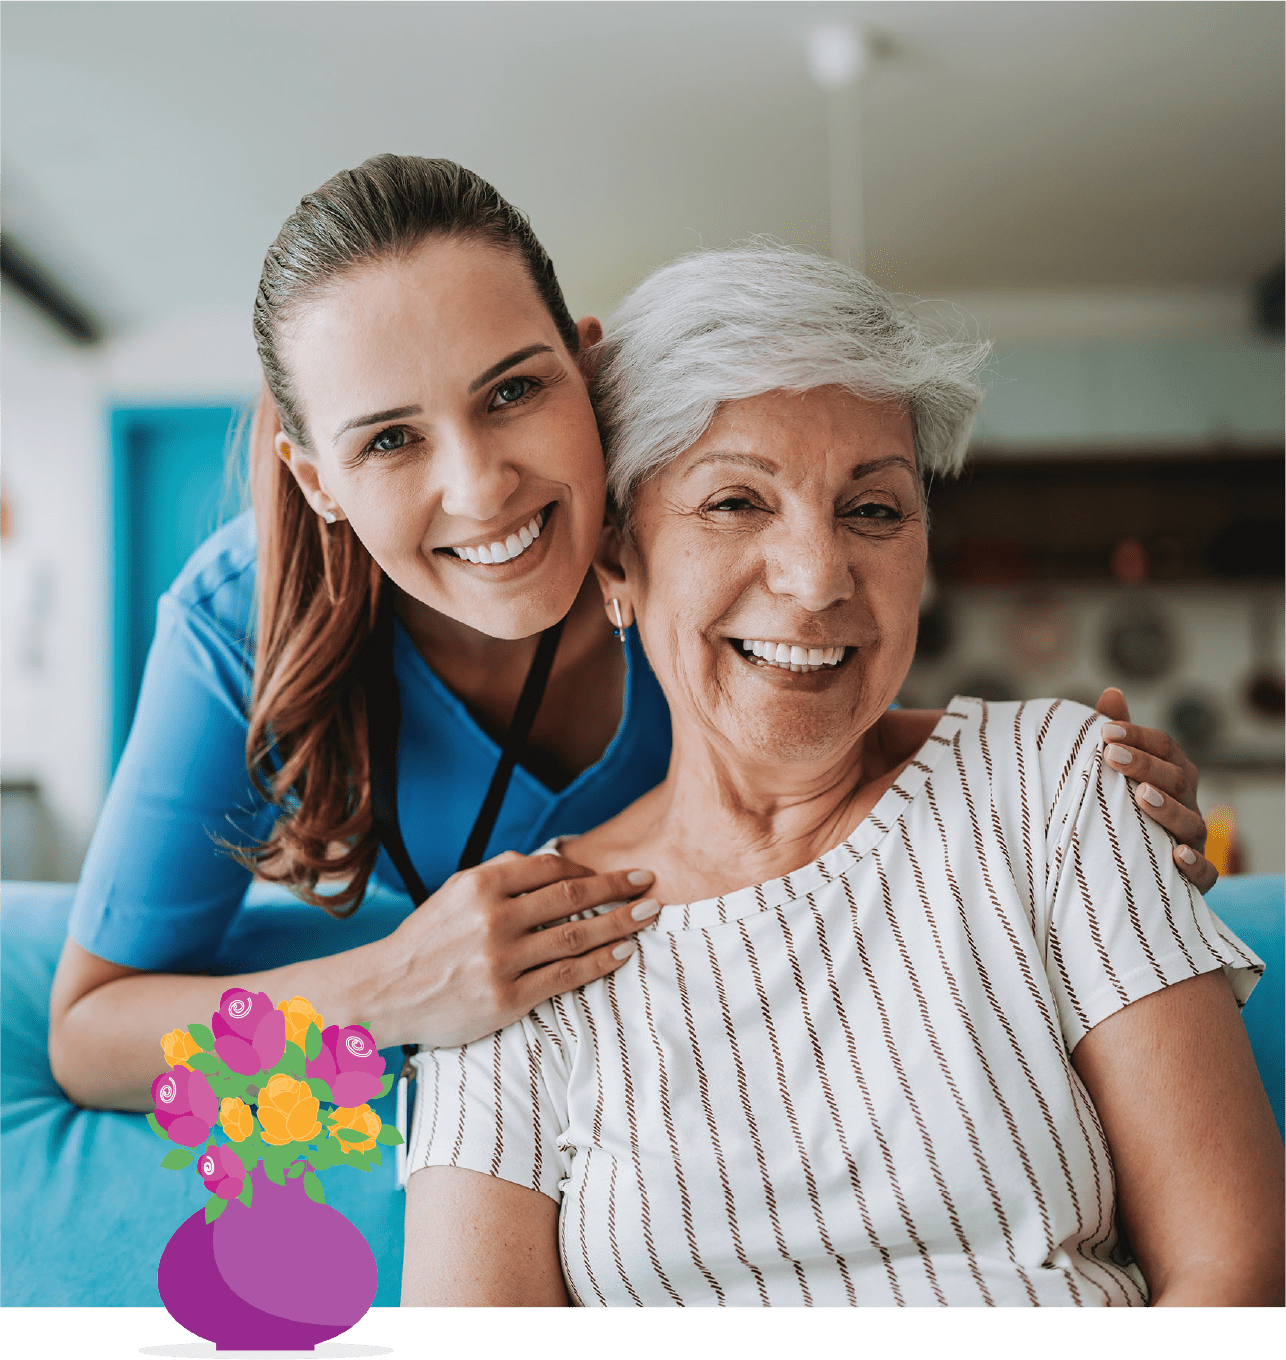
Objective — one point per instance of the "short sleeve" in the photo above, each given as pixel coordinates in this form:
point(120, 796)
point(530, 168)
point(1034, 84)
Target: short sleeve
point(1123, 922)
point(498, 1106)
point(158, 889)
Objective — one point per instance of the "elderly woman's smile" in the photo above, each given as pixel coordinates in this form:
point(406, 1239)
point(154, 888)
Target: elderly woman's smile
point(775, 570)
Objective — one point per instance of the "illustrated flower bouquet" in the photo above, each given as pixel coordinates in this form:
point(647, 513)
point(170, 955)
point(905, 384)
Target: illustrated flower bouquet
point(291, 1095)
point(263, 1074)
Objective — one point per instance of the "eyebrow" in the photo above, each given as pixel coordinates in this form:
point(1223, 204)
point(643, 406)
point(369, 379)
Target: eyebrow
point(395, 414)
point(858, 470)
point(508, 362)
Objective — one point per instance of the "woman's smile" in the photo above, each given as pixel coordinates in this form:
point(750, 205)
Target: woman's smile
point(505, 546)
point(799, 658)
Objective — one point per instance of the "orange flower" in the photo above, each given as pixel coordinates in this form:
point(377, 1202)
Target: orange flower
point(178, 1045)
point(234, 1114)
point(299, 1015)
point(288, 1111)
point(362, 1119)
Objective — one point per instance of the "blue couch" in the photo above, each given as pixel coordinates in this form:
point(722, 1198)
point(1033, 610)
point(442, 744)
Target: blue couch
point(86, 1210)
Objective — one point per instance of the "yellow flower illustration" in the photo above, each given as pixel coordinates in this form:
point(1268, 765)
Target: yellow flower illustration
point(299, 1015)
point(360, 1118)
point(238, 1123)
point(288, 1111)
point(178, 1045)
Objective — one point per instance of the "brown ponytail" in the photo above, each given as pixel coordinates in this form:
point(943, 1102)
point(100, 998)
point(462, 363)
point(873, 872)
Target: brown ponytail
point(318, 587)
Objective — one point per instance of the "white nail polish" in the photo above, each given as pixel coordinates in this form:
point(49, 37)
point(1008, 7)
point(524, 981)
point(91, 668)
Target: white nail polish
point(624, 949)
point(644, 911)
point(1150, 795)
point(1113, 732)
point(1186, 854)
point(1120, 755)
point(640, 878)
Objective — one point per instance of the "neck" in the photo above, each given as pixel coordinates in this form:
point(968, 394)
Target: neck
point(452, 647)
point(720, 822)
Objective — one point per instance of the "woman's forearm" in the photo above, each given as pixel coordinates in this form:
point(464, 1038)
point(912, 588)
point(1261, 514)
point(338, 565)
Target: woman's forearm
point(105, 1045)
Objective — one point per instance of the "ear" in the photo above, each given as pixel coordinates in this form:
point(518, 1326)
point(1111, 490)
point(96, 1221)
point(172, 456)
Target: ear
point(590, 331)
point(615, 568)
point(303, 467)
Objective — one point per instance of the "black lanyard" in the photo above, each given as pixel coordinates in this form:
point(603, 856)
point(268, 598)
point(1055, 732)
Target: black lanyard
point(384, 719)
point(383, 722)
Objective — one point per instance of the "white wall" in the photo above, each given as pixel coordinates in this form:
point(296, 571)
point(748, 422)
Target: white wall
point(55, 575)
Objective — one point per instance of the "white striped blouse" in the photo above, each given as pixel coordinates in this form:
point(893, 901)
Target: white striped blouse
point(851, 1085)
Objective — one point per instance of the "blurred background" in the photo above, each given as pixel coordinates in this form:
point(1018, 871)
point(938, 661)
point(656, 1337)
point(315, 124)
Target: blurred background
point(1098, 187)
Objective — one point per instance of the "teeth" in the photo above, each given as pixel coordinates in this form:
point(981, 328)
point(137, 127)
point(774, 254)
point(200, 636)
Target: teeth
point(513, 546)
point(791, 656)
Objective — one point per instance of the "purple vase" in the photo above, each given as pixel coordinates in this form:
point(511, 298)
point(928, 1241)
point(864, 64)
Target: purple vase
point(283, 1274)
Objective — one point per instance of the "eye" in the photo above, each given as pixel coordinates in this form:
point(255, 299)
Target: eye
point(733, 504)
point(876, 510)
point(396, 437)
point(511, 391)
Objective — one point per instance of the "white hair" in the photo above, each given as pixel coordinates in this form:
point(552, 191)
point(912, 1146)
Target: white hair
point(723, 325)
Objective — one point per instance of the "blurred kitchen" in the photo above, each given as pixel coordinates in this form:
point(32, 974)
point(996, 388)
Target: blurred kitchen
point(1098, 187)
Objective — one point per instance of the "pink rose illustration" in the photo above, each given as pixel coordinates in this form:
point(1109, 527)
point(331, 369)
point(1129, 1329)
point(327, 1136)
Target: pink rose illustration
point(350, 1064)
point(186, 1106)
point(249, 1033)
point(223, 1172)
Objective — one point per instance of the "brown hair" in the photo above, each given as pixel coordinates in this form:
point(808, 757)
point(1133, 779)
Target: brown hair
point(318, 587)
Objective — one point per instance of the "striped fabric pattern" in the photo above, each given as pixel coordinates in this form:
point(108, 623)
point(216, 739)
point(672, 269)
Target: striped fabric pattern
point(851, 1085)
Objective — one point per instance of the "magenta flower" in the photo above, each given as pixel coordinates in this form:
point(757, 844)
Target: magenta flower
point(223, 1172)
point(249, 1034)
point(350, 1064)
point(186, 1106)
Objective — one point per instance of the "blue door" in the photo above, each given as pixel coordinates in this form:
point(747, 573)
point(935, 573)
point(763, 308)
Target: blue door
point(173, 483)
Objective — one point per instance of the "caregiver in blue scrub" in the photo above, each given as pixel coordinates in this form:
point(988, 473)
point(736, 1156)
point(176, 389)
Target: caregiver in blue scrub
point(332, 680)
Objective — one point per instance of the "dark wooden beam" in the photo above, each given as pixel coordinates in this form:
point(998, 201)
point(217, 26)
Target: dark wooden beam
point(40, 288)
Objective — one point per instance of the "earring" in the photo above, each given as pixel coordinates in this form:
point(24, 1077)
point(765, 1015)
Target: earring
point(619, 630)
point(329, 516)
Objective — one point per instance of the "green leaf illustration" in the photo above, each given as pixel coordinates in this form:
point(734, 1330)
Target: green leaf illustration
point(366, 1025)
point(325, 1156)
point(313, 1188)
point(275, 1174)
point(388, 1084)
point(389, 1136)
point(351, 1135)
point(321, 1089)
point(292, 1061)
point(247, 1193)
point(203, 1037)
point(296, 1169)
point(214, 1206)
point(249, 1150)
point(207, 1062)
point(155, 1125)
point(176, 1159)
point(312, 1041)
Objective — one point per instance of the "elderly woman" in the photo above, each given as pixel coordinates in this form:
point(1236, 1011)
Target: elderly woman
point(929, 1015)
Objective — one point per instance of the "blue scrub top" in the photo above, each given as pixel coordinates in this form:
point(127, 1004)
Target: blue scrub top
point(158, 893)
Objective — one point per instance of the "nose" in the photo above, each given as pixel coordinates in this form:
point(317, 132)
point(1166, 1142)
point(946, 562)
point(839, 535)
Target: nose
point(806, 561)
point(475, 479)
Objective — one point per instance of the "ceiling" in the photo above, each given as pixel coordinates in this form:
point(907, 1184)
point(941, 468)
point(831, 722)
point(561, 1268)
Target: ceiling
point(152, 150)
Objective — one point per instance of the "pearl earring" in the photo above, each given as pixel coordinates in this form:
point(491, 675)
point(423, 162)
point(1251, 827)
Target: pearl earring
point(329, 516)
point(619, 630)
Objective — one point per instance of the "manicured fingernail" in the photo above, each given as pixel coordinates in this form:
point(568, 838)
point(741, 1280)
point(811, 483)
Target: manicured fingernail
point(1113, 732)
point(624, 949)
point(1120, 755)
point(645, 910)
point(1186, 854)
point(640, 877)
point(1150, 795)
